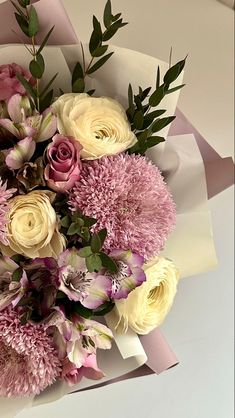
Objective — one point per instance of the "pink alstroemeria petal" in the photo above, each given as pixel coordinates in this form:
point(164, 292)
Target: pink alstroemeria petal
point(91, 369)
point(48, 126)
point(18, 106)
point(99, 292)
point(21, 153)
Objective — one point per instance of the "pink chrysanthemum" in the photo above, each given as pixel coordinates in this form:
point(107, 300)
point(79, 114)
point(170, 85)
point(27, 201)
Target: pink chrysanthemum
point(4, 207)
point(128, 196)
point(28, 361)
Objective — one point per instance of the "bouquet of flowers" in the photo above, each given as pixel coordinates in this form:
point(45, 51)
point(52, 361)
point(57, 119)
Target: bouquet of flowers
point(84, 213)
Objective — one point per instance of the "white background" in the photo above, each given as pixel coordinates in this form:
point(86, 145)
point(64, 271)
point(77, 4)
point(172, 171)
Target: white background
point(200, 325)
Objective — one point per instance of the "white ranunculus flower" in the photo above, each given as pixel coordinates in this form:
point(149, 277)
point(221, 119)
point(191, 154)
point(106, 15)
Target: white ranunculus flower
point(99, 124)
point(147, 306)
point(33, 227)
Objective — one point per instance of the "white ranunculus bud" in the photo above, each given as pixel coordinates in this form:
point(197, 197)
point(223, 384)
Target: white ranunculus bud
point(32, 228)
point(147, 306)
point(99, 124)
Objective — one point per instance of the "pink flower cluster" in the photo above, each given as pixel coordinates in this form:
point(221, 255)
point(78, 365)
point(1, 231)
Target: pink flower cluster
point(9, 83)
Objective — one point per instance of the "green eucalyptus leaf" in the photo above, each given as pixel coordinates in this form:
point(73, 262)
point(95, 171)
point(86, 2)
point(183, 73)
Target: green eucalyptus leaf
point(89, 221)
point(78, 86)
point(73, 229)
point(24, 3)
point(90, 92)
point(95, 243)
point(77, 72)
point(35, 69)
point(82, 311)
point(158, 78)
point(108, 262)
point(41, 62)
point(99, 63)
point(161, 123)
point(23, 24)
point(93, 263)
point(142, 136)
point(173, 73)
point(33, 22)
point(169, 91)
point(96, 36)
point(138, 119)
point(110, 32)
point(44, 42)
point(30, 90)
point(145, 93)
point(98, 52)
point(48, 85)
point(19, 10)
point(154, 140)
point(46, 101)
point(107, 14)
point(149, 118)
point(85, 252)
point(104, 309)
point(157, 96)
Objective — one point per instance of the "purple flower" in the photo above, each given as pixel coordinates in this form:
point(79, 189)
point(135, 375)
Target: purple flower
point(9, 83)
point(130, 274)
point(14, 293)
point(21, 153)
point(128, 196)
point(5, 195)
point(64, 165)
point(90, 289)
point(73, 375)
point(25, 122)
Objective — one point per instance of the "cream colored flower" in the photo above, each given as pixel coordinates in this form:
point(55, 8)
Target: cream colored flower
point(33, 227)
point(99, 124)
point(147, 306)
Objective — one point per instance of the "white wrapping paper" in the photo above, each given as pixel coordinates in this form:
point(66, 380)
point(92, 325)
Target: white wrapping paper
point(190, 246)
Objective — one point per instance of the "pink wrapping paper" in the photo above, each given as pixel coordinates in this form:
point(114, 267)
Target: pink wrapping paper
point(63, 33)
point(219, 171)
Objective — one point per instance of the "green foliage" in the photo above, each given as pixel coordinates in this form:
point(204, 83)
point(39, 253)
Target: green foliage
point(97, 48)
point(145, 122)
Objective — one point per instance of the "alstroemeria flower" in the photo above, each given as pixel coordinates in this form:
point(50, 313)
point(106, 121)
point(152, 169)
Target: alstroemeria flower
point(90, 289)
point(25, 122)
point(21, 153)
point(15, 292)
point(73, 375)
point(130, 273)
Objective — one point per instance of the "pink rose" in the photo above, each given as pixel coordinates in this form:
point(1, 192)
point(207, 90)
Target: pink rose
point(64, 165)
point(9, 83)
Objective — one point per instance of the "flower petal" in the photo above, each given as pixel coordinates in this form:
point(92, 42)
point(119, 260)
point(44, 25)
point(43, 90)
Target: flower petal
point(21, 153)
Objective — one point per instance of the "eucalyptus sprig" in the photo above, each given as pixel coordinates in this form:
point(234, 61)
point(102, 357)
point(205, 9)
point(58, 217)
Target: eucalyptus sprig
point(27, 19)
point(145, 121)
point(97, 47)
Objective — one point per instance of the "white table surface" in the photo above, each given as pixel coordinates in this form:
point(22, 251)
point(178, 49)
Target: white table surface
point(200, 325)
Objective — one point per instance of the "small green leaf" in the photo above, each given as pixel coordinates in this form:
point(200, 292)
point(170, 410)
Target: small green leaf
point(85, 235)
point(40, 61)
point(161, 123)
point(27, 86)
point(173, 73)
point(110, 32)
point(65, 221)
point(73, 229)
point(157, 96)
point(33, 22)
point(142, 136)
point(18, 8)
point(44, 42)
point(174, 89)
point(78, 86)
point(149, 118)
point(98, 52)
point(89, 221)
point(104, 309)
point(77, 72)
point(17, 274)
point(85, 252)
point(158, 78)
point(138, 120)
point(102, 235)
point(154, 140)
point(145, 93)
point(95, 243)
point(24, 3)
point(99, 63)
point(96, 36)
point(23, 24)
point(82, 311)
point(47, 100)
point(48, 85)
point(93, 263)
point(35, 69)
point(90, 92)
point(108, 262)
point(107, 14)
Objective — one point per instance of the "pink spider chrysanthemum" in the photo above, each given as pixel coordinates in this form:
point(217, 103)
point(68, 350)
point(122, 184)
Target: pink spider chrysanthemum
point(5, 195)
point(128, 196)
point(28, 361)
